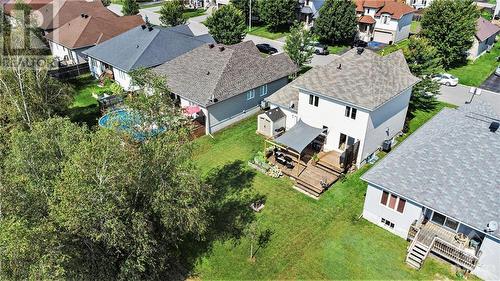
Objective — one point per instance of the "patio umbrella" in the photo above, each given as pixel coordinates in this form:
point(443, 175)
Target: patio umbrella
point(192, 109)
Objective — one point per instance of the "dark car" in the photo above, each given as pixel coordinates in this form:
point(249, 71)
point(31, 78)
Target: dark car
point(266, 48)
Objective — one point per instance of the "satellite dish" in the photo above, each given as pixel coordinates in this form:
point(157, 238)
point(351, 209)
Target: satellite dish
point(492, 226)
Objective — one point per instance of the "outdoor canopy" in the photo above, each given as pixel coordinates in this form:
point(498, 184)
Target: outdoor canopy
point(299, 136)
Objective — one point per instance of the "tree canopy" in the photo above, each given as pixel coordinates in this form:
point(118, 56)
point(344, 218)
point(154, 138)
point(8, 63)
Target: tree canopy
point(227, 25)
point(298, 44)
point(450, 26)
point(171, 13)
point(130, 7)
point(276, 13)
point(337, 22)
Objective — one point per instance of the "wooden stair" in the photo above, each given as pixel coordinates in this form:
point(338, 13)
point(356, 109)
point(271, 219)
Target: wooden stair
point(417, 254)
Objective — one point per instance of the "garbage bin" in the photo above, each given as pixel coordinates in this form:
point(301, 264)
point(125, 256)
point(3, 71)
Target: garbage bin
point(386, 146)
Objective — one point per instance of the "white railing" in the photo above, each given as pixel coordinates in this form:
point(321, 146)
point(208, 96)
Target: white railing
point(453, 253)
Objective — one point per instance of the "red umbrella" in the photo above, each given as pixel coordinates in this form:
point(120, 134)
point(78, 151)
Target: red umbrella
point(192, 109)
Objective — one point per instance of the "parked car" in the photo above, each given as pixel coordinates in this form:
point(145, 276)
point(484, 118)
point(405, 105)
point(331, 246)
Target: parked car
point(445, 79)
point(320, 49)
point(497, 71)
point(266, 48)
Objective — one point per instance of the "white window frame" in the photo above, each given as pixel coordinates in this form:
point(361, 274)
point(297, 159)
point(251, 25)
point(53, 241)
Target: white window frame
point(263, 90)
point(251, 94)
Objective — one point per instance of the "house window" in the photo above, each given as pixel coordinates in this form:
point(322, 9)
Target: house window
point(313, 100)
point(387, 223)
point(386, 19)
point(452, 224)
point(438, 218)
point(251, 94)
point(445, 221)
point(393, 201)
point(350, 112)
point(92, 62)
point(263, 90)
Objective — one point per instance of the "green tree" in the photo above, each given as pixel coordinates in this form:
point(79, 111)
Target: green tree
point(106, 2)
point(171, 13)
point(244, 6)
point(277, 13)
point(298, 44)
point(227, 25)
point(422, 58)
point(337, 22)
point(130, 7)
point(28, 94)
point(450, 26)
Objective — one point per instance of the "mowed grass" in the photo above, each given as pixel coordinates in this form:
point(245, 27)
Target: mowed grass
point(85, 85)
point(264, 31)
point(312, 239)
point(394, 47)
point(474, 73)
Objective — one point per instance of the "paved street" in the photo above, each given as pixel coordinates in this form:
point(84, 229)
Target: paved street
point(460, 94)
point(492, 83)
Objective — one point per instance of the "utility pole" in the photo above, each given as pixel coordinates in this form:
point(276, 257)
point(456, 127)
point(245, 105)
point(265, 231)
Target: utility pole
point(250, 17)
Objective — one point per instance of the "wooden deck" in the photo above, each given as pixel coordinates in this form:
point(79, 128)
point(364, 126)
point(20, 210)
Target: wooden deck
point(309, 177)
point(331, 160)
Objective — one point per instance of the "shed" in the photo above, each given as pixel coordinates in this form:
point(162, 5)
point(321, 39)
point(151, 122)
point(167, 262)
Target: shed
point(270, 121)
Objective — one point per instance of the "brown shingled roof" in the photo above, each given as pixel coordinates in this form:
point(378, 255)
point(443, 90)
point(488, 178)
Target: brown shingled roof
point(91, 30)
point(392, 7)
point(485, 29)
point(366, 19)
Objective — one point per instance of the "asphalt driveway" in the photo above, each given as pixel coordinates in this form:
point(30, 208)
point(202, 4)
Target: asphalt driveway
point(492, 83)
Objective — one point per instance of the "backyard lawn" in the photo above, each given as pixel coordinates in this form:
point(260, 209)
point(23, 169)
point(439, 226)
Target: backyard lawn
point(394, 47)
point(311, 239)
point(474, 73)
point(337, 49)
point(263, 31)
point(85, 85)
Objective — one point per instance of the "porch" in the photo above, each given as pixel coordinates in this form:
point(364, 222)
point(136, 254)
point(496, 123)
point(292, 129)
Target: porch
point(428, 237)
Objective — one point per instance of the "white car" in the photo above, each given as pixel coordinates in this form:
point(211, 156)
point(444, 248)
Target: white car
point(497, 71)
point(445, 79)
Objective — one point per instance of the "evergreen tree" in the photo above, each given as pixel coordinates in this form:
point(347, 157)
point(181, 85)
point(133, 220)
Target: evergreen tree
point(337, 22)
point(450, 26)
point(171, 13)
point(130, 7)
point(298, 44)
point(227, 25)
point(277, 13)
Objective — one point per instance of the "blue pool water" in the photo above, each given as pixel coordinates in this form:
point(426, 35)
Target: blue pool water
point(128, 122)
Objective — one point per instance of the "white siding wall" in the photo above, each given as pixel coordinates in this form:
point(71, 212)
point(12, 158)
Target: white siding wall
point(388, 118)
point(59, 52)
point(391, 25)
point(488, 267)
point(419, 4)
point(373, 211)
point(96, 67)
point(291, 117)
point(124, 80)
point(332, 114)
point(403, 30)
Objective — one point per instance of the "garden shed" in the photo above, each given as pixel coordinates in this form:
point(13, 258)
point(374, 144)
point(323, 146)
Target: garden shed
point(271, 121)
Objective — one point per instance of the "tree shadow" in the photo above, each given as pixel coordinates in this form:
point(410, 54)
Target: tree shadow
point(263, 240)
point(230, 209)
point(84, 115)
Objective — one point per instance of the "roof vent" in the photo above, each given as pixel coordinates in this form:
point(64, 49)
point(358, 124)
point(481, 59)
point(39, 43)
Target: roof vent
point(292, 104)
point(360, 50)
point(208, 72)
point(221, 48)
point(82, 15)
point(492, 226)
point(211, 46)
point(150, 28)
point(137, 46)
point(339, 67)
point(494, 126)
point(143, 26)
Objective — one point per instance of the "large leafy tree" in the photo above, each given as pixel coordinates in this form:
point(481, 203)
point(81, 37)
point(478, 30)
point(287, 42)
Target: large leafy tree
point(244, 6)
point(298, 44)
point(130, 7)
point(277, 13)
point(227, 25)
point(337, 22)
point(450, 26)
point(171, 13)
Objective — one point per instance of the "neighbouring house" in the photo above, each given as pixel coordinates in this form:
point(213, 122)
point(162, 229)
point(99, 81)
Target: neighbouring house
point(225, 83)
point(309, 11)
point(143, 46)
point(9, 6)
point(419, 4)
point(440, 189)
point(359, 100)
point(384, 21)
point(486, 33)
point(68, 42)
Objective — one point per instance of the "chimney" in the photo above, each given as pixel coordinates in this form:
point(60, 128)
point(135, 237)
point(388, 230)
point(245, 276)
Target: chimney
point(221, 48)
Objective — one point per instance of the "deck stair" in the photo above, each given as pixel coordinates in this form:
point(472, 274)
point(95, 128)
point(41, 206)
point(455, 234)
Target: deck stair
point(417, 254)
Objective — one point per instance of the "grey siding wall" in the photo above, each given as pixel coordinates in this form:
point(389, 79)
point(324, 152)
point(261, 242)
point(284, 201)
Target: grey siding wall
point(226, 112)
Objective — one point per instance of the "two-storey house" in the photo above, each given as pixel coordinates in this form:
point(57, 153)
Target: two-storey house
point(384, 21)
point(359, 98)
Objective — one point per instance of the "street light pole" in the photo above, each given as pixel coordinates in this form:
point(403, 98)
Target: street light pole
point(250, 17)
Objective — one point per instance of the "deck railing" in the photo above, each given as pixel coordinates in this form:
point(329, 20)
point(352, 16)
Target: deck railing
point(453, 253)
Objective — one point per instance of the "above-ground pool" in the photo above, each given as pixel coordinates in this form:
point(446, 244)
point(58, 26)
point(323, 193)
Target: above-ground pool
point(129, 122)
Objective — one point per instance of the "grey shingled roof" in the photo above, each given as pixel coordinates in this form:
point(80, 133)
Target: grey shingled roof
point(275, 114)
point(485, 29)
point(222, 71)
point(140, 47)
point(450, 164)
point(367, 80)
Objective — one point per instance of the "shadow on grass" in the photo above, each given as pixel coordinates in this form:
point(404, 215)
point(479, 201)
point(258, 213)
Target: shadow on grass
point(230, 209)
point(84, 115)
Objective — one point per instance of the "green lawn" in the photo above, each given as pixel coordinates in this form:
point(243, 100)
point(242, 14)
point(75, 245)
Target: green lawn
point(475, 72)
point(394, 47)
point(311, 239)
point(263, 31)
point(191, 13)
point(85, 85)
point(159, 4)
point(415, 27)
point(336, 49)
